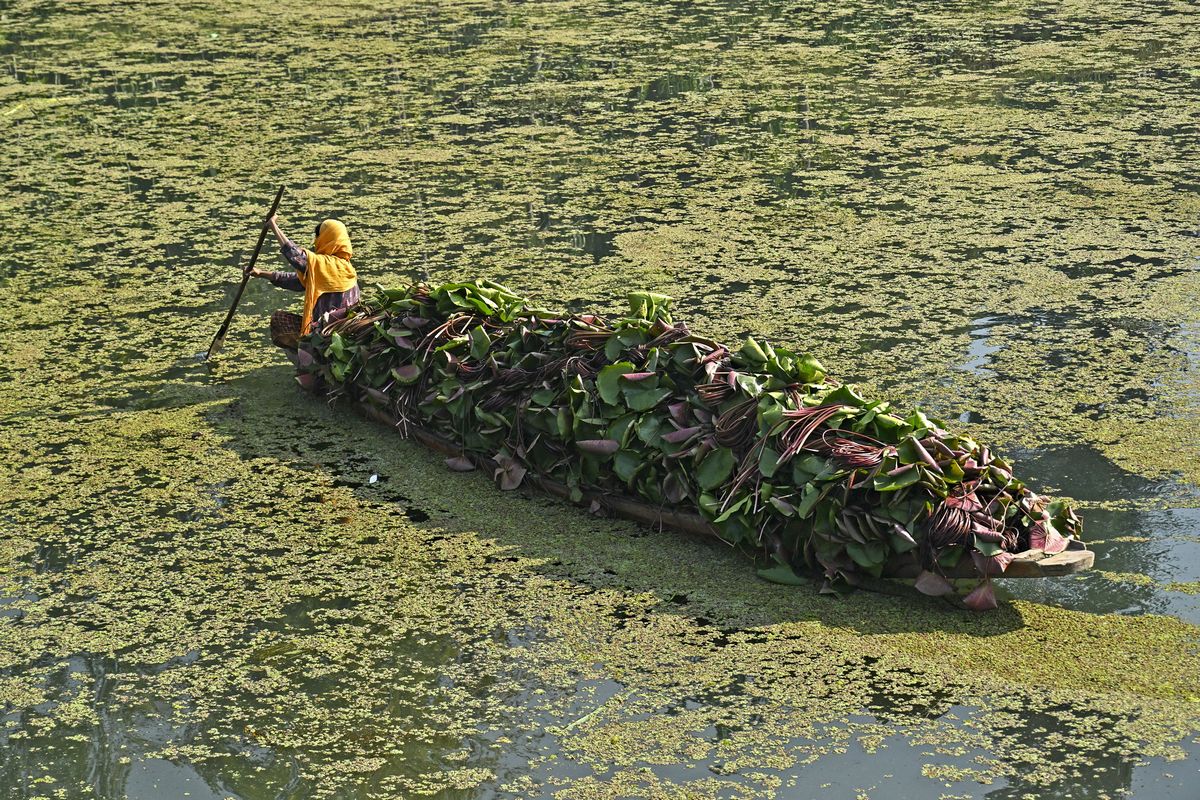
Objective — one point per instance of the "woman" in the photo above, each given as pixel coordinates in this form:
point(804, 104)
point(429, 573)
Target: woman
point(323, 273)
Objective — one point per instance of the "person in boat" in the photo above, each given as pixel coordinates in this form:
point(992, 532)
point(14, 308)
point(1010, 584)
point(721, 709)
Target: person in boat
point(323, 273)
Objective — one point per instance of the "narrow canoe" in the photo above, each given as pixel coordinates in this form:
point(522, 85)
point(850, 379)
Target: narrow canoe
point(1026, 564)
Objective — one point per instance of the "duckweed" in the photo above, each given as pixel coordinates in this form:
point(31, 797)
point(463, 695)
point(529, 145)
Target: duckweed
point(984, 210)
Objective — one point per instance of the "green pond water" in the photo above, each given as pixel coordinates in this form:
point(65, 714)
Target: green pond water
point(212, 586)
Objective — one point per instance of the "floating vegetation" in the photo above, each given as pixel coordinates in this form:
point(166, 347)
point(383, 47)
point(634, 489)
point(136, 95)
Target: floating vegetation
point(1127, 577)
point(201, 582)
point(778, 457)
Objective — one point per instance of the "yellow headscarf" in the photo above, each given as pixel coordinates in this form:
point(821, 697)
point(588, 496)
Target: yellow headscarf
point(329, 267)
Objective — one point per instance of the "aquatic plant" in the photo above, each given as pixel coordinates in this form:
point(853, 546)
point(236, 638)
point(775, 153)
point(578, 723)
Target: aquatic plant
point(1002, 192)
point(780, 458)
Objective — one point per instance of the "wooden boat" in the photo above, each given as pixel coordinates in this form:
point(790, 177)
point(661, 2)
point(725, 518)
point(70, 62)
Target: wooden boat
point(639, 417)
point(1026, 564)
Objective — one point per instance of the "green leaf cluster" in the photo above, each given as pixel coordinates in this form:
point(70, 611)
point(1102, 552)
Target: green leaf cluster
point(781, 459)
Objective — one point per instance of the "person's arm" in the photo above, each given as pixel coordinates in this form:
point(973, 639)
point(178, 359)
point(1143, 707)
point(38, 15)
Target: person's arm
point(284, 280)
point(294, 255)
point(279, 234)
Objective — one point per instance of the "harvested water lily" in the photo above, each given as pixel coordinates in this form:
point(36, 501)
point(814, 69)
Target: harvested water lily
point(780, 458)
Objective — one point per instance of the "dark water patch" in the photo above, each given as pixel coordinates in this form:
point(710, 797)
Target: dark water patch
point(1124, 267)
point(598, 245)
point(670, 86)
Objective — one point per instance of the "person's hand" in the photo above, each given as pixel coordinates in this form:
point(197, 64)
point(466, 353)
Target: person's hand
point(273, 220)
point(255, 273)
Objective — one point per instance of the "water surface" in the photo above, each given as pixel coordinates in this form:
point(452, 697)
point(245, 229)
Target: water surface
point(987, 210)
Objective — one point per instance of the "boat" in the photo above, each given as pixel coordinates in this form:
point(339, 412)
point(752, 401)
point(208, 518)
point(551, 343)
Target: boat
point(757, 448)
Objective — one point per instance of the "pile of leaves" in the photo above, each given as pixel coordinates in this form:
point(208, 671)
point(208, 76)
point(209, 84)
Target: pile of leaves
point(780, 458)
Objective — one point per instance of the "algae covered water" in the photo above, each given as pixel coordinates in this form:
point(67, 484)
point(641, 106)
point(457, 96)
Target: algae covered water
point(213, 586)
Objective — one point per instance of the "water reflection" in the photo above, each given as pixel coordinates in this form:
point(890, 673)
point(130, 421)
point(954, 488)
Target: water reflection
point(156, 778)
point(981, 348)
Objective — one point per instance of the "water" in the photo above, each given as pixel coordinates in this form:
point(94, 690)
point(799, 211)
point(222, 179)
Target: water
point(988, 211)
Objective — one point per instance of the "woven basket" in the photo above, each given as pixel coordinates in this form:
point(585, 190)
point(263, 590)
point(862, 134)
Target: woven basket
point(285, 329)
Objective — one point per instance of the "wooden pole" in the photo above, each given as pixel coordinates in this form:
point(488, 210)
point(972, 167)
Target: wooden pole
point(219, 339)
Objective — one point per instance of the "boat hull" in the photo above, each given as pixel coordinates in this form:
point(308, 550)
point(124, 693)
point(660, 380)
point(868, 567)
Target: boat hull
point(1026, 564)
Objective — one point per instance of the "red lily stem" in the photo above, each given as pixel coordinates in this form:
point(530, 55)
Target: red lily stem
point(928, 459)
